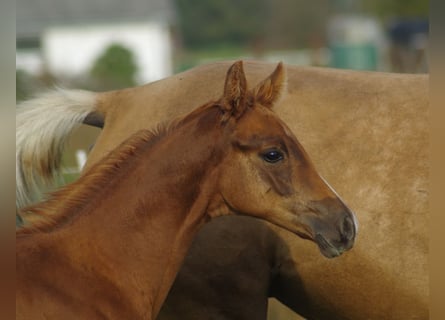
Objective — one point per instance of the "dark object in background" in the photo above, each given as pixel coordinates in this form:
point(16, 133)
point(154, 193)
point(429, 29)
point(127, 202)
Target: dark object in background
point(409, 39)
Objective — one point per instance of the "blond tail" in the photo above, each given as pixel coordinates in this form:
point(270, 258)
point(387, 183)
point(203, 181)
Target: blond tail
point(43, 125)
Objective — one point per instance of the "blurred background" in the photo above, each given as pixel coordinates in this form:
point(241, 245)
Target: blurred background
point(111, 44)
point(108, 44)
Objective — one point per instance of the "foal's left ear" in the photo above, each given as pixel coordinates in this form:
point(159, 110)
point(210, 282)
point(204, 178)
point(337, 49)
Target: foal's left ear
point(234, 100)
point(270, 90)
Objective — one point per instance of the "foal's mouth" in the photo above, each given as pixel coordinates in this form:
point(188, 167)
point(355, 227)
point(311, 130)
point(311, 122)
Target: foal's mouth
point(326, 248)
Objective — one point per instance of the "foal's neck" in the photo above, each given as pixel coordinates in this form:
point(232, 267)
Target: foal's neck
point(137, 234)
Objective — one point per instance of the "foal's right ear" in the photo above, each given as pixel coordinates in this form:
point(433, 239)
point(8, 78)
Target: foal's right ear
point(234, 100)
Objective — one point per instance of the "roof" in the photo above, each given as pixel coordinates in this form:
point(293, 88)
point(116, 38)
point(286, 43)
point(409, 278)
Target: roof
point(34, 16)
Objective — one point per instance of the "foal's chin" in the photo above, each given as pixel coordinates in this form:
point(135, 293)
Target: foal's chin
point(331, 242)
point(327, 248)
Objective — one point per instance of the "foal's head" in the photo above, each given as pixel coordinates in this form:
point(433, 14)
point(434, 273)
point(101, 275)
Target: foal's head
point(266, 172)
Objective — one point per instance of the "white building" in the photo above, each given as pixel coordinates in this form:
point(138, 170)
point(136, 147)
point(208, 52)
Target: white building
point(66, 37)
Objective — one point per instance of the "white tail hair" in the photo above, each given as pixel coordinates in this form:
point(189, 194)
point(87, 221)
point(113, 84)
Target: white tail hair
point(43, 125)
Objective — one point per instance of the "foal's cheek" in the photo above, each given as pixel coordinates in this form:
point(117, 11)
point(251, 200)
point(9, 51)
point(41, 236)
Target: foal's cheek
point(241, 186)
point(254, 197)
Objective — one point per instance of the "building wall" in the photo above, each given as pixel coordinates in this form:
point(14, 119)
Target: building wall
point(71, 51)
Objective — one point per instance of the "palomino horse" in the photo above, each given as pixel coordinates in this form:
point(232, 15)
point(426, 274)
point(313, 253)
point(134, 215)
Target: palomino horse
point(367, 132)
point(110, 245)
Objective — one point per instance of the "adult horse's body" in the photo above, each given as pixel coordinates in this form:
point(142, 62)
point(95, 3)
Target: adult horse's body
point(367, 133)
point(110, 245)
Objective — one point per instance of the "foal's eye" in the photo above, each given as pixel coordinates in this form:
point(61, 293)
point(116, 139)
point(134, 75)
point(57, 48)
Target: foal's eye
point(273, 156)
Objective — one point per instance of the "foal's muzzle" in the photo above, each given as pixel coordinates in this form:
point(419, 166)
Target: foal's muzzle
point(334, 229)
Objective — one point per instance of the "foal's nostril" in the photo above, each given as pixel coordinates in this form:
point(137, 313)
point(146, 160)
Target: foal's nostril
point(348, 229)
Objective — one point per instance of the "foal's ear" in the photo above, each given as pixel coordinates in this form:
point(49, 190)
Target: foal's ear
point(234, 100)
point(270, 90)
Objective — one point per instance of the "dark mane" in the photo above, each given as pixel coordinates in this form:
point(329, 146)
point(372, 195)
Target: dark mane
point(63, 204)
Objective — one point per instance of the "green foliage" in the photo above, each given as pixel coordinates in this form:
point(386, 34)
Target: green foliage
point(26, 84)
point(295, 24)
point(254, 24)
point(114, 69)
point(191, 58)
point(23, 84)
point(275, 24)
point(209, 23)
point(397, 8)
